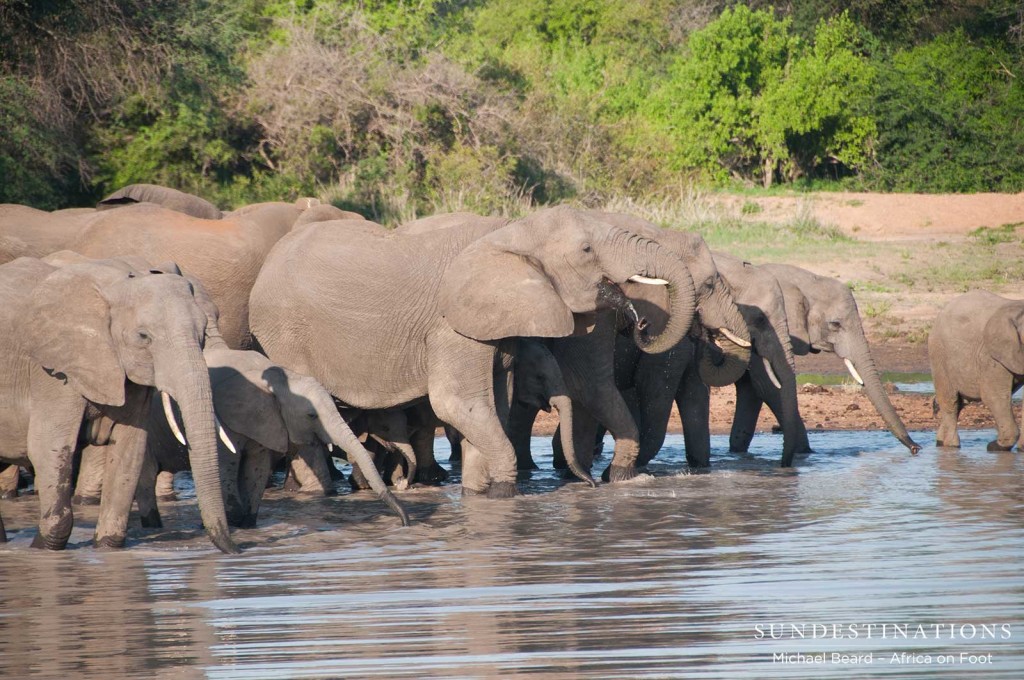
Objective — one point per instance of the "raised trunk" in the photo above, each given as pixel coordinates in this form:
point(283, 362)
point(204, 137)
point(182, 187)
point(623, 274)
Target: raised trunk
point(194, 397)
point(341, 435)
point(864, 364)
point(563, 405)
point(626, 254)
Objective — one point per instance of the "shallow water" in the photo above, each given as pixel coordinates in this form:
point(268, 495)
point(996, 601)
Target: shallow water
point(667, 575)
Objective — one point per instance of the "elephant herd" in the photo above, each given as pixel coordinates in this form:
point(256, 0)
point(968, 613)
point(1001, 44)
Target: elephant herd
point(155, 333)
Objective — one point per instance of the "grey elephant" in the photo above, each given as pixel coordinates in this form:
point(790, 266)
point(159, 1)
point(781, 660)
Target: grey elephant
point(382, 322)
point(93, 339)
point(823, 317)
point(976, 348)
point(172, 199)
point(587, 361)
point(29, 232)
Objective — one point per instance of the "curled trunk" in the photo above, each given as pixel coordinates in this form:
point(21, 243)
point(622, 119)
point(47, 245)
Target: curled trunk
point(627, 254)
point(563, 405)
point(722, 362)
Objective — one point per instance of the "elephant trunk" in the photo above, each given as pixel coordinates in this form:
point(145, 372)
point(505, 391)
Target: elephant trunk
point(862, 366)
point(195, 398)
point(722, 362)
point(628, 255)
point(563, 405)
point(340, 434)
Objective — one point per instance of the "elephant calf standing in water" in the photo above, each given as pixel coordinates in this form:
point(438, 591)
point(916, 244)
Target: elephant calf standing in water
point(976, 348)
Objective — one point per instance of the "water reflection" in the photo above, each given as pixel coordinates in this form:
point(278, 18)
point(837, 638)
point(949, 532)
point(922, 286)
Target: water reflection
point(669, 574)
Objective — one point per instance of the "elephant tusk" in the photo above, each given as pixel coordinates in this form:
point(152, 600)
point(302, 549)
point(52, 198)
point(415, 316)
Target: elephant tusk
point(737, 340)
point(171, 420)
point(636, 278)
point(853, 372)
point(223, 434)
point(330, 447)
point(771, 374)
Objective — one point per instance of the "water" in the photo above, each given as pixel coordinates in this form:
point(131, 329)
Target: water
point(668, 575)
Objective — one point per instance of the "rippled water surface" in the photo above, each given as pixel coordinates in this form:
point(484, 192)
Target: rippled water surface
point(672, 574)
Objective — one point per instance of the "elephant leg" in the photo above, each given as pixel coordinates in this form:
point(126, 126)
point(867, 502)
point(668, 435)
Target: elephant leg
point(165, 486)
point(9, 481)
point(694, 403)
point(230, 472)
point(462, 394)
point(252, 480)
point(520, 429)
point(396, 425)
point(744, 421)
point(947, 405)
point(310, 470)
point(783, 404)
point(454, 438)
point(656, 381)
point(91, 471)
point(4, 475)
point(145, 493)
point(124, 465)
point(428, 470)
point(995, 395)
point(54, 422)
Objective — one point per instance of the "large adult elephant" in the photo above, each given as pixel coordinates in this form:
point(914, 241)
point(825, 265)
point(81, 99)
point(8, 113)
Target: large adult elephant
point(976, 348)
point(90, 339)
point(28, 232)
point(224, 254)
point(382, 322)
point(823, 317)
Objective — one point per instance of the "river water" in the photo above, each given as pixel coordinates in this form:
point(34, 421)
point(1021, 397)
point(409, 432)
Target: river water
point(861, 551)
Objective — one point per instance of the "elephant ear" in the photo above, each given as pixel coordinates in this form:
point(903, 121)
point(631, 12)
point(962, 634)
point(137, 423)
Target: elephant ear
point(1002, 337)
point(797, 313)
point(69, 333)
point(243, 402)
point(488, 293)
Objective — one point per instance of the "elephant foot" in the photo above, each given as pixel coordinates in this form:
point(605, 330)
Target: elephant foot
point(292, 484)
point(109, 542)
point(996, 446)
point(167, 497)
point(526, 464)
point(559, 463)
point(85, 500)
point(242, 520)
point(619, 473)
point(502, 490)
point(943, 444)
point(401, 484)
point(151, 520)
point(432, 475)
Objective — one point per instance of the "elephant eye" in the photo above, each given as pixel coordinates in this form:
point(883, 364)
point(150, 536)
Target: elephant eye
point(833, 325)
point(587, 248)
point(142, 337)
point(312, 415)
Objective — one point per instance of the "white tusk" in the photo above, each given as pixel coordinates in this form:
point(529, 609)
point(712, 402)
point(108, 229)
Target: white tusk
point(223, 434)
point(330, 447)
point(735, 338)
point(853, 372)
point(636, 278)
point(171, 420)
point(771, 374)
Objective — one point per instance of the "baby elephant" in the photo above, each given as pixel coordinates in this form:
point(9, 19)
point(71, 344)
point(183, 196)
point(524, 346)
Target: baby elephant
point(977, 353)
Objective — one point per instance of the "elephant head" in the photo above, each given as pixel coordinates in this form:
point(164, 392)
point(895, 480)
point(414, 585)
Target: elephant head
point(169, 198)
point(1003, 336)
point(99, 324)
point(823, 317)
point(717, 316)
point(541, 276)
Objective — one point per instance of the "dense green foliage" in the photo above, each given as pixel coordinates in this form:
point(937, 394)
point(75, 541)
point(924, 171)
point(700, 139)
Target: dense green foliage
point(398, 108)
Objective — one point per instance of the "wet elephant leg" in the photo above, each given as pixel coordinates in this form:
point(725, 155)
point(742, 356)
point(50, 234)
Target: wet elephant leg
point(145, 493)
point(230, 472)
point(748, 409)
point(8, 481)
point(454, 438)
point(165, 486)
point(693, 399)
point(91, 471)
point(124, 465)
point(947, 406)
point(310, 470)
point(252, 480)
point(520, 429)
point(5, 472)
point(428, 470)
point(656, 381)
point(995, 395)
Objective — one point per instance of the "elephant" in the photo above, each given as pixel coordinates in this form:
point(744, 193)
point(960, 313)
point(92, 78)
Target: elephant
point(224, 254)
point(28, 232)
point(382, 322)
point(172, 199)
point(326, 212)
point(90, 340)
point(976, 349)
point(823, 317)
point(587, 362)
